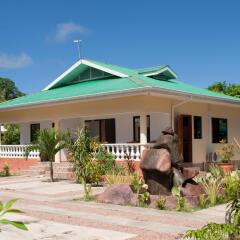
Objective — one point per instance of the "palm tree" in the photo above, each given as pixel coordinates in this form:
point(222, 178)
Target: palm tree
point(49, 143)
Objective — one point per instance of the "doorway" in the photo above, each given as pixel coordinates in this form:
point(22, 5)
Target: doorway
point(185, 136)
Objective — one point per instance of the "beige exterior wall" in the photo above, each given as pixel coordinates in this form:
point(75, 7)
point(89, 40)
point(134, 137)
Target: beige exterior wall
point(123, 109)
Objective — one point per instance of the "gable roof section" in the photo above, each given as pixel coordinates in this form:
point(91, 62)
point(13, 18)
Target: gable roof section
point(114, 70)
point(77, 68)
point(153, 71)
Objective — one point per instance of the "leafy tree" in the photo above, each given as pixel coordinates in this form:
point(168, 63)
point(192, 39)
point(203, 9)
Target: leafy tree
point(49, 143)
point(12, 135)
point(230, 89)
point(9, 91)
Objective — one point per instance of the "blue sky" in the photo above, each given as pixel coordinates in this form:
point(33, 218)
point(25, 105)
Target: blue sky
point(200, 40)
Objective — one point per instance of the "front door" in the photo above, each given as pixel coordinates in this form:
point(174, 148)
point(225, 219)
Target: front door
point(185, 136)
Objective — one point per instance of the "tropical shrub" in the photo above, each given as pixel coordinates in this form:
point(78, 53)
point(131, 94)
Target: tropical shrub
point(180, 201)
point(106, 160)
point(203, 201)
point(161, 203)
point(213, 231)
point(212, 183)
point(118, 178)
point(226, 152)
point(231, 228)
point(7, 208)
point(88, 193)
point(6, 171)
point(12, 135)
point(143, 199)
point(49, 143)
point(136, 183)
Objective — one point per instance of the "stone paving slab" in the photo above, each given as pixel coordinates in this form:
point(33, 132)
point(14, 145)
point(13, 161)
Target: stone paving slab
point(47, 230)
point(54, 211)
point(153, 226)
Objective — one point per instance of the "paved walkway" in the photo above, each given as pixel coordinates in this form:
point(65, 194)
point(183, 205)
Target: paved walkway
point(53, 211)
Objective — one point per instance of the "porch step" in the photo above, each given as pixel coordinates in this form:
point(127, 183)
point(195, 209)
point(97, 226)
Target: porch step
point(63, 170)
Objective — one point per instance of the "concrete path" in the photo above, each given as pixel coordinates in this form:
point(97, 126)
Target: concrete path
point(55, 211)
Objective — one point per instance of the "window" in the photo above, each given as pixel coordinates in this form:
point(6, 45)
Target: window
point(103, 129)
point(219, 130)
point(136, 128)
point(197, 127)
point(34, 131)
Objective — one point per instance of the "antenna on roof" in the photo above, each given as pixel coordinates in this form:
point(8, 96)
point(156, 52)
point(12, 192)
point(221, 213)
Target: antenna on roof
point(78, 42)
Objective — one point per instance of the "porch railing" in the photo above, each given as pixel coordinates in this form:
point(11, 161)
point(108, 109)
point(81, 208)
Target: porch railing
point(124, 151)
point(16, 151)
point(121, 151)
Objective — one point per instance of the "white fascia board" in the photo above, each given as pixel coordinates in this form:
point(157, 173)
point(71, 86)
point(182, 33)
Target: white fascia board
point(87, 63)
point(154, 91)
point(104, 69)
point(63, 75)
point(167, 68)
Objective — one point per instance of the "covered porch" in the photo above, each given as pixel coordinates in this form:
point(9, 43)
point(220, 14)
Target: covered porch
point(124, 135)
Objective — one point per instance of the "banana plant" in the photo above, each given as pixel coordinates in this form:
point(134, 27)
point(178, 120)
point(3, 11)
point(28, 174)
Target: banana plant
point(8, 208)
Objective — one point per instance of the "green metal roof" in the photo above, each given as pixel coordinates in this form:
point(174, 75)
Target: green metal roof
point(135, 80)
point(148, 69)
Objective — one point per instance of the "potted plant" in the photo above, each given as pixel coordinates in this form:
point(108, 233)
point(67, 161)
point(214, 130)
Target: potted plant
point(225, 154)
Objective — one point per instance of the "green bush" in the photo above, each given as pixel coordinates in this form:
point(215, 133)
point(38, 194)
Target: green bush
point(203, 201)
point(176, 192)
point(143, 199)
point(161, 203)
point(12, 135)
point(212, 183)
point(136, 183)
point(6, 171)
point(106, 160)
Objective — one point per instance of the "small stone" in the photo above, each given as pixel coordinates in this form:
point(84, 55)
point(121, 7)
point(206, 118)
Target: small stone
point(120, 194)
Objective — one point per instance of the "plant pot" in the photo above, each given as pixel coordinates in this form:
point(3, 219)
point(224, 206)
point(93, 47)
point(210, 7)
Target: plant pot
point(226, 167)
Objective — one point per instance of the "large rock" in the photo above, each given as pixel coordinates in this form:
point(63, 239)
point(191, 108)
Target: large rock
point(190, 172)
point(158, 183)
point(192, 190)
point(171, 143)
point(156, 159)
point(120, 194)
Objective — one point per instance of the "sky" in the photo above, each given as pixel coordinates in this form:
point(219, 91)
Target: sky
point(200, 40)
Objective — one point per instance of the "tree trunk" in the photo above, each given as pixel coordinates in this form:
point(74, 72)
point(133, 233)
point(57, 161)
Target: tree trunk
point(51, 171)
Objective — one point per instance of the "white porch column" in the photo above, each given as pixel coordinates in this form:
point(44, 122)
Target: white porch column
point(57, 127)
point(143, 131)
point(24, 133)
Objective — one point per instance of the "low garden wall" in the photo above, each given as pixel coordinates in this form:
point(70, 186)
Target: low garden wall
point(18, 164)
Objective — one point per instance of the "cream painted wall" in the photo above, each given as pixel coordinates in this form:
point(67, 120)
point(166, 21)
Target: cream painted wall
point(158, 122)
point(123, 109)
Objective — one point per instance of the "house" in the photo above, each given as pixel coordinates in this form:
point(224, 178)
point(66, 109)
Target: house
point(127, 109)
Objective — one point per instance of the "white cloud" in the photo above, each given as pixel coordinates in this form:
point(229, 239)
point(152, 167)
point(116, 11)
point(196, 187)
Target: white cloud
point(14, 61)
point(66, 30)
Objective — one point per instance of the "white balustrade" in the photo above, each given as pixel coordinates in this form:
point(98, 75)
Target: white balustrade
point(124, 151)
point(16, 151)
point(121, 151)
